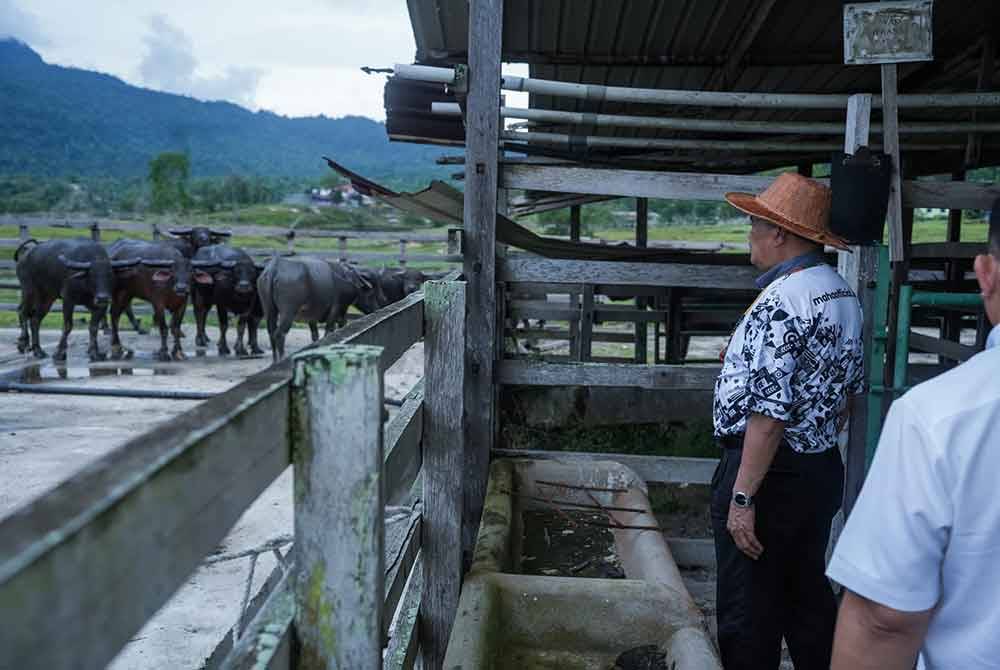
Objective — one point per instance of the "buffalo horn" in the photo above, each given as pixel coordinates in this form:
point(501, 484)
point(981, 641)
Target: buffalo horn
point(180, 231)
point(204, 264)
point(157, 263)
point(74, 265)
point(219, 233)
point(227, 265)
point(126, 263)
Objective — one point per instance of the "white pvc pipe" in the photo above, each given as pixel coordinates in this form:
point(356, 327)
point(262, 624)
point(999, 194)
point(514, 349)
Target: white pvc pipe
point(703, 125)
point(657, 96)
point(593, 141)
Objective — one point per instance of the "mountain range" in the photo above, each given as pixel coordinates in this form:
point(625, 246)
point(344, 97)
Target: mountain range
point(59, 121)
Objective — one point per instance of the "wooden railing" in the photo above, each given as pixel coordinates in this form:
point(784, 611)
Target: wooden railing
point(84, 566)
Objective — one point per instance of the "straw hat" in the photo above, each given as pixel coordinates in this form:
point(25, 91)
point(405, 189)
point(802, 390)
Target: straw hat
point(798, 204)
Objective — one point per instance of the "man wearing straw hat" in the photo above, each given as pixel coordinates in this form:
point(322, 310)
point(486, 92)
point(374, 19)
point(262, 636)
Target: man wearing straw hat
point(792, 362)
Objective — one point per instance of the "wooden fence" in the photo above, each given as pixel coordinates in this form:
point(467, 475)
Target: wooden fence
point(83, 567)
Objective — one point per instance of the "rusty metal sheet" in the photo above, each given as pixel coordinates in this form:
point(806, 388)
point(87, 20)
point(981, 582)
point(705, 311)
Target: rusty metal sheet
point(888, 32)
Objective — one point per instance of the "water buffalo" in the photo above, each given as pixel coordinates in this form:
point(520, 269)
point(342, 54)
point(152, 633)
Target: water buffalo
point(311, 290)
point(79, 271)
point(163, 278)
point(189, 240)
point(397, 283)
point(225, 277)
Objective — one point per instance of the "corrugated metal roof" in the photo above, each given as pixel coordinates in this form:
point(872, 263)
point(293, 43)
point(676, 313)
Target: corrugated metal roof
point(696, 44)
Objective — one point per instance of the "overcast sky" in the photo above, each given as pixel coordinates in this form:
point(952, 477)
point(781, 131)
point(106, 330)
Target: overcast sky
point(294, 57)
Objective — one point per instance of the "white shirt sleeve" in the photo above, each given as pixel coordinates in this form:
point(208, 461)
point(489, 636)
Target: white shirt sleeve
point(893, 545)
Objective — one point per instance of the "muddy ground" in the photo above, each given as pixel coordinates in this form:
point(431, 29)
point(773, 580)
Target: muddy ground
point(45, 439)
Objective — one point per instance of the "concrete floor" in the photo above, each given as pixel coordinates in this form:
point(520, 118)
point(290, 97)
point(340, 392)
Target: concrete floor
point(45, 439)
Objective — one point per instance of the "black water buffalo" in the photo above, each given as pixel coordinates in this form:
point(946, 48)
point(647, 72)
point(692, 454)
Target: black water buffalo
point(397, 283)
point(226, 278)
point(311, 290)
point(163, 278)
point(79, 271)
point(189, 240)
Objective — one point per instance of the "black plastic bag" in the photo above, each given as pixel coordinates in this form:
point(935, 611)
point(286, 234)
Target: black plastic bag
point(860, 185)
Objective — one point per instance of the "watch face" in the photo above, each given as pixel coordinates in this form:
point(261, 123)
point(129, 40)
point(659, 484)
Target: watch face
point(741, 499)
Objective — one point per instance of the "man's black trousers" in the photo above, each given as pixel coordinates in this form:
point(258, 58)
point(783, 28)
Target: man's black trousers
point(784, 593)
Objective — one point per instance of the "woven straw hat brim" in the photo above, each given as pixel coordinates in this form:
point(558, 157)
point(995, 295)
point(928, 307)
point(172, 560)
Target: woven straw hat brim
point(749, 204)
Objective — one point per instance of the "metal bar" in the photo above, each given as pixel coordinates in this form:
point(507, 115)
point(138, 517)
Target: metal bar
point(712, 125)
point(42, 389)
point(699, 98)
point(903, 335)
point(935, 299)
point(876, 368)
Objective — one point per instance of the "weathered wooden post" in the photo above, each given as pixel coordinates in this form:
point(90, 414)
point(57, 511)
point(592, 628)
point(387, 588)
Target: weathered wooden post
point(641, 240)
point(22, 231)
point(290, 240)
point(336, 438)
point(156, 232)
point(444, 464)
point(574, 298)
point(342, 248)
point(95, 231)
point(402, 253)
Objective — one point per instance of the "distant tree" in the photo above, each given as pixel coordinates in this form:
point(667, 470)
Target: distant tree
point(168, 177)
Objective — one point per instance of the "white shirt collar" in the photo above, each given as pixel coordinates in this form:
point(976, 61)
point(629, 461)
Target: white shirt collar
point(994, 339)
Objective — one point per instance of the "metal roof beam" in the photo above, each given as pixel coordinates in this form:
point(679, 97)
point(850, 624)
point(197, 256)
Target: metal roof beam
point(726, 76)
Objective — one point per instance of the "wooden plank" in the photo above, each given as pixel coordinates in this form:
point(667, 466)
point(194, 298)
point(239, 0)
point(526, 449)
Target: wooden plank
point(444, 456)
point(267, 641)
point(679, 377)
point(652, 469)
point(947, 348)
point(641, 239)
point(403, 457)
point(858, 126)
point(890, 142)
point(693, 186)
point(395, 328)
point(398, 575)
point(336, 425)
point(586, 322)
point(616, 273)
point(85, 565)
point(555, 407)
point(574, 296)
point(401, 652)
point(947, 250)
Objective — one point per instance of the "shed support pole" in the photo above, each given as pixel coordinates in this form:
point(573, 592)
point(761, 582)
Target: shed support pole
point(444, 463)
point(951, 325)
point(641, 240)
point(859, 270)
point(481, 153)
point(339, 533)
point(574, 298)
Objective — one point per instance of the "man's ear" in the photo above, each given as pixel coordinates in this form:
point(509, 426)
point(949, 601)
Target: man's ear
point(987, 269)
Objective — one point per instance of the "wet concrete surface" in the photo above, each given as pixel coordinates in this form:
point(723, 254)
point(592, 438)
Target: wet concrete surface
point(45, 439)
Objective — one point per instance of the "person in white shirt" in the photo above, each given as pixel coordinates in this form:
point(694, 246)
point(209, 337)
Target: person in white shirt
point(920, 554)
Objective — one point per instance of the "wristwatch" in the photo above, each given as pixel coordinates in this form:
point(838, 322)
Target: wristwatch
point(741, 499)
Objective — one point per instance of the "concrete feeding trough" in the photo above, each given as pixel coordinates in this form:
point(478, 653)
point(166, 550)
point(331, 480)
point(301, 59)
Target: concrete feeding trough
point(509, 619)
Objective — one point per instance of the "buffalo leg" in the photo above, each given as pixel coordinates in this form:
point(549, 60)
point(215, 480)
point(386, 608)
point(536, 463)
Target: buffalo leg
point(23, 340)
point(176, 317)
point(272, 332)
point(200, 315)
point(38, 312)
point(67, 313)
point(314, 330)
point(285, 321)
point(160, 320)
point(136, 324)
point(96, 316)
point(117, 350)
point(223, 325)
point(241, 326)
point(254, 328)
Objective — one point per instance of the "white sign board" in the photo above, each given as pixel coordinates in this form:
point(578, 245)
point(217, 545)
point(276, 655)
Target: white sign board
point(888, 32)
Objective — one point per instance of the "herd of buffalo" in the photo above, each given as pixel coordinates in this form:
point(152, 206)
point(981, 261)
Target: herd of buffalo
point(195, 264)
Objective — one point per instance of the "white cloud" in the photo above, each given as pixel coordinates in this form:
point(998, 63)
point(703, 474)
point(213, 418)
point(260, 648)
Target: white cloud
point(17, 23)
point(170, 65)
point(295, 57)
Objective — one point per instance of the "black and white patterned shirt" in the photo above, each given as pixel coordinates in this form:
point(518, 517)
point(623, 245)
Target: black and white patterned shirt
point(795, 356)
